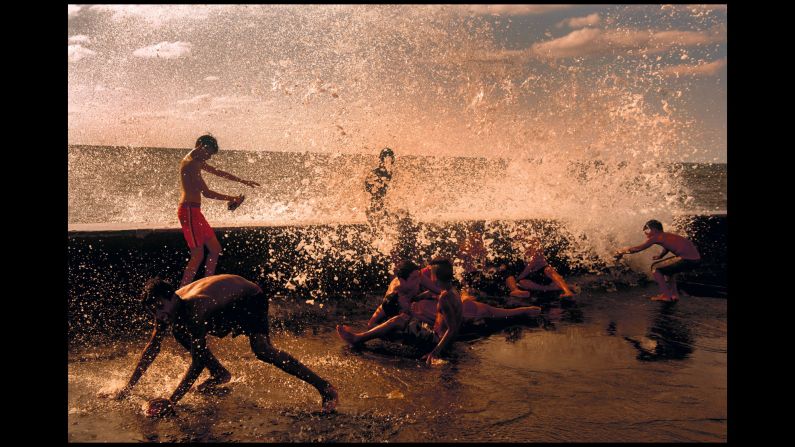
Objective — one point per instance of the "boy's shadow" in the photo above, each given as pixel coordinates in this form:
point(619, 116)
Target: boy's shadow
point(668, 337)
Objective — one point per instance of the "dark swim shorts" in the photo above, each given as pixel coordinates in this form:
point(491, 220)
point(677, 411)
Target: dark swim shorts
point(421, 331)
point(246, 316)
point(390, 305)
point(675, 265)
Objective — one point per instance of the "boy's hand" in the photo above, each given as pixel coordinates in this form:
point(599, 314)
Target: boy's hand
point(619, 254)
point(160, 407)
point(430, 360)
point(110, 394)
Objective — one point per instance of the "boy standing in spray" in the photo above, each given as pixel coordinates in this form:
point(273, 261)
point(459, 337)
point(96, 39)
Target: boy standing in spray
point(197, 231)
point(686, 257)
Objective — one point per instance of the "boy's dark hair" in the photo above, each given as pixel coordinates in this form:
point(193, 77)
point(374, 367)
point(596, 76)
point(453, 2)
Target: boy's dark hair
point(154, 289)
point(386, 152)
point(209, 141)
point(443, 269)
point(405, 268)
point(654, 225)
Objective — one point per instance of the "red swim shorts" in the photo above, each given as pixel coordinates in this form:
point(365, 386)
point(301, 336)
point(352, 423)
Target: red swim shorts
point(194, 226)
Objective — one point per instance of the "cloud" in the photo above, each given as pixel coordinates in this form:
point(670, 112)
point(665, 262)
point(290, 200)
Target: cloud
point(208, 101)
point(589, 41)
point(72, 10)
point(514, 10)
point(694, 9)
point(576, 43)
point(80, 38)
point(164, 50)
point(579, 22)
point(197, 100)
point(77, 52)
point(704, 69)
point(211, 78)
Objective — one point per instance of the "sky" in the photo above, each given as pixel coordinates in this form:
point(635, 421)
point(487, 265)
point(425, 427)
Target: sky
point(579, 81)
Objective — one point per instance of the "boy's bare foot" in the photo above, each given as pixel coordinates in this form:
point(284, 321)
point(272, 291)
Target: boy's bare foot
point(214, 381)
point(330, 400)
point(520, 294)
point(345, 334)
point(661, 297)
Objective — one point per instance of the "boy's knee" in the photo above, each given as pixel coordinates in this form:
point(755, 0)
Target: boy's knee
point(266, 353)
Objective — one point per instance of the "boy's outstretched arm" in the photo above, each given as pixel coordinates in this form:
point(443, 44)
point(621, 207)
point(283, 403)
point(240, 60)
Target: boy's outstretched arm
point(210, 194)
point(635, 249)
point(228, 176)
point(148, 356)
point(453, 321)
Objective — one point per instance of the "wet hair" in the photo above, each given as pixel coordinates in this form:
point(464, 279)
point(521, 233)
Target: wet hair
point(405, 268)
point(443, 269)
point(386, 152)
point(154, 290)
point(209, 141)
point(653, 225)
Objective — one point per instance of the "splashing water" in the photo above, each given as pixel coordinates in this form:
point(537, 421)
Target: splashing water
point(481, 130)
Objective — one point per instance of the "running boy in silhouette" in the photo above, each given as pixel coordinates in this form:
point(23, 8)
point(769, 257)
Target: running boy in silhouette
point(215, 305)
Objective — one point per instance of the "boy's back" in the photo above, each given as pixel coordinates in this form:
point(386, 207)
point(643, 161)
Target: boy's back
point(678, 245)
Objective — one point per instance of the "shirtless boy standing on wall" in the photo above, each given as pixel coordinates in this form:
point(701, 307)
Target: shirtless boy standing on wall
point(197, 231)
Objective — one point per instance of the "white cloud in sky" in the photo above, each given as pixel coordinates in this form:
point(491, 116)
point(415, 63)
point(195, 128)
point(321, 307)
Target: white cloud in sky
point(514, 10)
point(704, 69)
point(80, 38)
point(576, 43)
point(72, 10)
point(216, 102)
point(695, 9)
point(580, 22)
point(78, 52)
point(211, 78)
point(197, 100)
point(164, 50)
point(591, 41)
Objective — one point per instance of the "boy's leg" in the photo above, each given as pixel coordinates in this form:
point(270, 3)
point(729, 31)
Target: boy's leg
point(213, 252)
point(482, 310)
point(674, 287)
point(218, 374)
point(196, 255)
point(559, 281)
point(393, 324)
point(527, 284)
point(514, 288)
point(261, 345)
point(666, 293)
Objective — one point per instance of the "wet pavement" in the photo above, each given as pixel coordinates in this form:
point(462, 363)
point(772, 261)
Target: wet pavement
point(616, 367)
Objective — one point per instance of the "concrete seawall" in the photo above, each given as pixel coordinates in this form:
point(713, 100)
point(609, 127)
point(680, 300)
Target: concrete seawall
point(106, 269)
